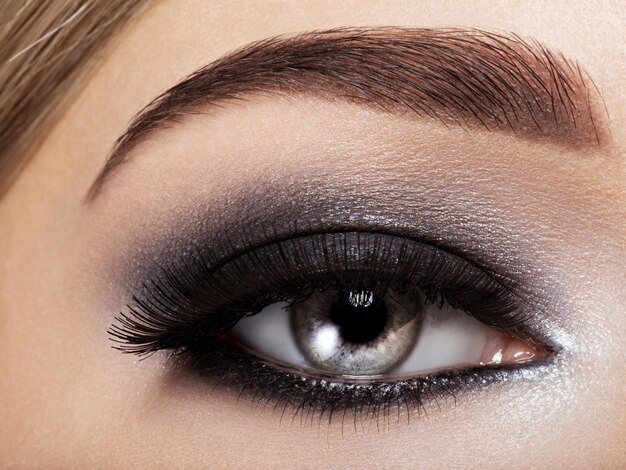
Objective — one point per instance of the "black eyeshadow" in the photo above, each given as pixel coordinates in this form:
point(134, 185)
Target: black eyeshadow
point(200, 297)
point(231, 258)
point(238, 220)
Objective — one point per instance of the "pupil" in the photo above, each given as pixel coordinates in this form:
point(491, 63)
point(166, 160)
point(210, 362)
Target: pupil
point(360, 315)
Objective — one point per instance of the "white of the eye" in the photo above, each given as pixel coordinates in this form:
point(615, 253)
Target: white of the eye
point(448, 338)
point(269, 332)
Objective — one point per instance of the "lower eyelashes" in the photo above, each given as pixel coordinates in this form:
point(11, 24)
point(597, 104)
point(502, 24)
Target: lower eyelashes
point(334, 320)
point(294, 392)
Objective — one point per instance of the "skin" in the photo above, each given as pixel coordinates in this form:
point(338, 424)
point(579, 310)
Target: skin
point(69, 400)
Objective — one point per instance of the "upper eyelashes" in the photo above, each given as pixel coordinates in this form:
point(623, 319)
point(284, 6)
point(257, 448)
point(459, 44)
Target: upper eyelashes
point(193, 299)
point(192, 304)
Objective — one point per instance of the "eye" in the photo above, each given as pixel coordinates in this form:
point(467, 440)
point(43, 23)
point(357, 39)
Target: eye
point(334, 320)
point(361, 333)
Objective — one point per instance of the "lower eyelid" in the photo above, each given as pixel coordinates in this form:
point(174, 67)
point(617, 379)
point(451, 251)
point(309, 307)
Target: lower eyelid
point(293, 394)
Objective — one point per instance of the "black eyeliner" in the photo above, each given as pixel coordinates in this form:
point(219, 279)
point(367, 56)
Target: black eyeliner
point(299, 393)
point(199, 297)
point(233, 257)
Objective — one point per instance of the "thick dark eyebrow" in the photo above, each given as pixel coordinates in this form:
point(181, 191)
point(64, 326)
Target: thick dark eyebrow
point(467, 77)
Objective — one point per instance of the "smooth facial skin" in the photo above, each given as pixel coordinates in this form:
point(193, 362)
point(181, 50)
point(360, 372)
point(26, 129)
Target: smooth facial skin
point(549, 215)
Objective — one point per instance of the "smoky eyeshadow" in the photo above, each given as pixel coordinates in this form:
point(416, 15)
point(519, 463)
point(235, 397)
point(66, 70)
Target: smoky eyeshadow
point(237, 218)
point(241, 221)
point(182, 286)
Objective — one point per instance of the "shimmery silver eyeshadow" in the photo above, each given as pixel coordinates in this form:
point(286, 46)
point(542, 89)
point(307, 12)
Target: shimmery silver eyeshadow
point(242, 220)
point(316, 205)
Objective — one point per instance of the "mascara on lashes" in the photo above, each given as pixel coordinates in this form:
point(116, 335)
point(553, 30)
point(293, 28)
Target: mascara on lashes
point(194, 299)
point(200, 297)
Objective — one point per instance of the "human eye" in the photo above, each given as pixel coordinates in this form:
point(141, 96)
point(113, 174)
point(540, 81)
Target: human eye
point(359, 334)
point(334, 320)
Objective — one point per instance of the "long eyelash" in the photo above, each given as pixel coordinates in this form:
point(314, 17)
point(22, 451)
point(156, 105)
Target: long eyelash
point(195, 299)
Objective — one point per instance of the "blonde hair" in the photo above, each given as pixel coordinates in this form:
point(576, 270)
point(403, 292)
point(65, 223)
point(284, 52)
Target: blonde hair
point(47, 48)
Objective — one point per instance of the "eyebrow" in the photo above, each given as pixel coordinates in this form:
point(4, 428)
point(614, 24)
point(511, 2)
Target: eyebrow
point(467, 77)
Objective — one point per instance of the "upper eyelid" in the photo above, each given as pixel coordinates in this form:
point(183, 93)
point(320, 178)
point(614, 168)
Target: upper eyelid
point(464, 76)
point(192, 287)
point(254, 219)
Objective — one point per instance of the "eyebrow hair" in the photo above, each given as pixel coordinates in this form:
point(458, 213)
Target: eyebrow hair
point(467, 77)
